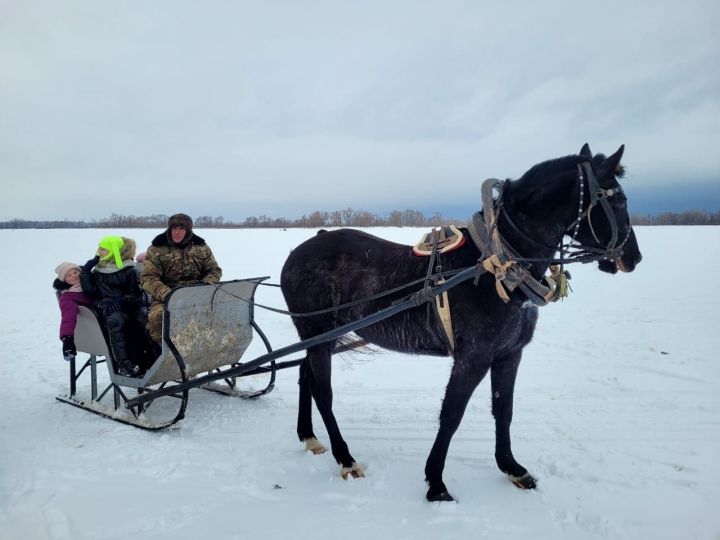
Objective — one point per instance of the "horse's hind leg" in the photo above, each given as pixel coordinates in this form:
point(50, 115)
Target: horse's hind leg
point(319, 359)
point(502, 377)
point(464, 379)
point(304, 423)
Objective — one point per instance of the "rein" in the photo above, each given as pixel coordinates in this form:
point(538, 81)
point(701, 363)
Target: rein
point(424, 294)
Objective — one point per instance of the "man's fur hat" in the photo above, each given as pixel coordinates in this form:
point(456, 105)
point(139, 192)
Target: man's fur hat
point(180, 220)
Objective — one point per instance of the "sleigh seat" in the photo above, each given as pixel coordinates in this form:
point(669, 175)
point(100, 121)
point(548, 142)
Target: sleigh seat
point(206, 328)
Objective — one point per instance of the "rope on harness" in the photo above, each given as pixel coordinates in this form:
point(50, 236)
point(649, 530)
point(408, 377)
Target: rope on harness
point(425, 294)
point(495, 266)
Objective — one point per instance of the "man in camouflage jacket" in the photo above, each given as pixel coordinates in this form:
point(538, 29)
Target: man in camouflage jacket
point(176, 257)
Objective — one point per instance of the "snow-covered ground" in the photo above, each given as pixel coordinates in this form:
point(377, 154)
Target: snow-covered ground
point(617, 413)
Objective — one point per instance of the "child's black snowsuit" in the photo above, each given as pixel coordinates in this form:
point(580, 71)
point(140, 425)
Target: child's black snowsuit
point(120, 300)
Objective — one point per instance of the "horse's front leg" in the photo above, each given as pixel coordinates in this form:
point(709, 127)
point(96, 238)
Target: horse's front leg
point(319, 359)
point(464, 378)
point(502, 377)
point(304, 421)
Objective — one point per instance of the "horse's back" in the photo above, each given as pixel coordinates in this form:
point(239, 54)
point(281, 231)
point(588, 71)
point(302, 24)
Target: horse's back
point(339, 265)
point(328, 245)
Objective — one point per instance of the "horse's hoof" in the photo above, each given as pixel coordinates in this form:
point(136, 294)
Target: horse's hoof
point(443, 496)
point(354, 471)
point(314, 446)
point(526, 481)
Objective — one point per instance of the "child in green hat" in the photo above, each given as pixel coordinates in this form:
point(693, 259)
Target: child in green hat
point(110, 277)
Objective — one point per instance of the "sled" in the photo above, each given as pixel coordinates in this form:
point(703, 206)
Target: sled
point(206, 330)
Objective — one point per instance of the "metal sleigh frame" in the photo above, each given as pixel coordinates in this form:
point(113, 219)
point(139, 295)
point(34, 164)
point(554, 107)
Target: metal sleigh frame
point(206, 330)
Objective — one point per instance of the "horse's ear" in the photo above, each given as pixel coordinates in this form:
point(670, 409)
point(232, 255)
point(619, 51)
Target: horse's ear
point(585, 151)
point(611, 165)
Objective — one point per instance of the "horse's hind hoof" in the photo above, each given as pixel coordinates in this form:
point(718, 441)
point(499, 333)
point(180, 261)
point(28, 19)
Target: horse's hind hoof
point(314, 446)
point(526, 481)
point(443, 496)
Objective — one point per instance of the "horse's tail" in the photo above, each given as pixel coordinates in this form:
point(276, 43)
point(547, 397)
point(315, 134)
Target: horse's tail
point(352, 342)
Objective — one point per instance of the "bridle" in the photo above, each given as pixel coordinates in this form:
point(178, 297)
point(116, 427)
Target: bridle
point(574, 251)
point(600, 196)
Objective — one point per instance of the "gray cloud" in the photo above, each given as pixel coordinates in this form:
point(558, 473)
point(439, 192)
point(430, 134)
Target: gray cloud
point(283, 108)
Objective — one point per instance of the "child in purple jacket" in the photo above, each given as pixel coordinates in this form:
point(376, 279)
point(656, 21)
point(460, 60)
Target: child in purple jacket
point(71, 296)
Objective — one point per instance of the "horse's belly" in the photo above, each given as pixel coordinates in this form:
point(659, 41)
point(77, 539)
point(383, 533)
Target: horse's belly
point(407, 333)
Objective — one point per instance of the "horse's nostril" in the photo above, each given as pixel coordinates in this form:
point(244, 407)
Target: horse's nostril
point(639, 258)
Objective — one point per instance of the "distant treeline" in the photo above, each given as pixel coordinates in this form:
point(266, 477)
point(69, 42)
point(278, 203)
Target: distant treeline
point(338, 218)
point(691, 217)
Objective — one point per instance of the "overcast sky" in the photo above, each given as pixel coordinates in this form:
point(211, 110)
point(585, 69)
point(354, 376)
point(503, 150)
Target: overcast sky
point(281, 108)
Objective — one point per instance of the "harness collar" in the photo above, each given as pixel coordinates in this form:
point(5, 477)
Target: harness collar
point(498, 257)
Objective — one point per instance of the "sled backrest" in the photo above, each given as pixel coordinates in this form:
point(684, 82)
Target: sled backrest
point(89, 336)
point(208, 326)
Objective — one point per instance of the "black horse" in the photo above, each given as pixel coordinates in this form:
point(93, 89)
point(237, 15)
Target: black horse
point(577, 196)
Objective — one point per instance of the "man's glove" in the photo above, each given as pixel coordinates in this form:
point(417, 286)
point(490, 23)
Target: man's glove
point(88, 266)
point(68, 348)
point(165, 294)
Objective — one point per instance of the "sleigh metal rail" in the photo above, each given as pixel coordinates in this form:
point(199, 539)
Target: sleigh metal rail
point(205, 330)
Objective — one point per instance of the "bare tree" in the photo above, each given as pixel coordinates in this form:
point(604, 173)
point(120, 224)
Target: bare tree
point(347, 216)
point(395, 218)
point(335, 219)
point(316, 219)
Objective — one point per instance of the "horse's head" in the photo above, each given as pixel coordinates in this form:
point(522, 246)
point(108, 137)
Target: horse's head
point(604, 223)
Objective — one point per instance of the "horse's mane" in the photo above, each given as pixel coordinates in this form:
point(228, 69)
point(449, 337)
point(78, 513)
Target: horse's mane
point(548, 169)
